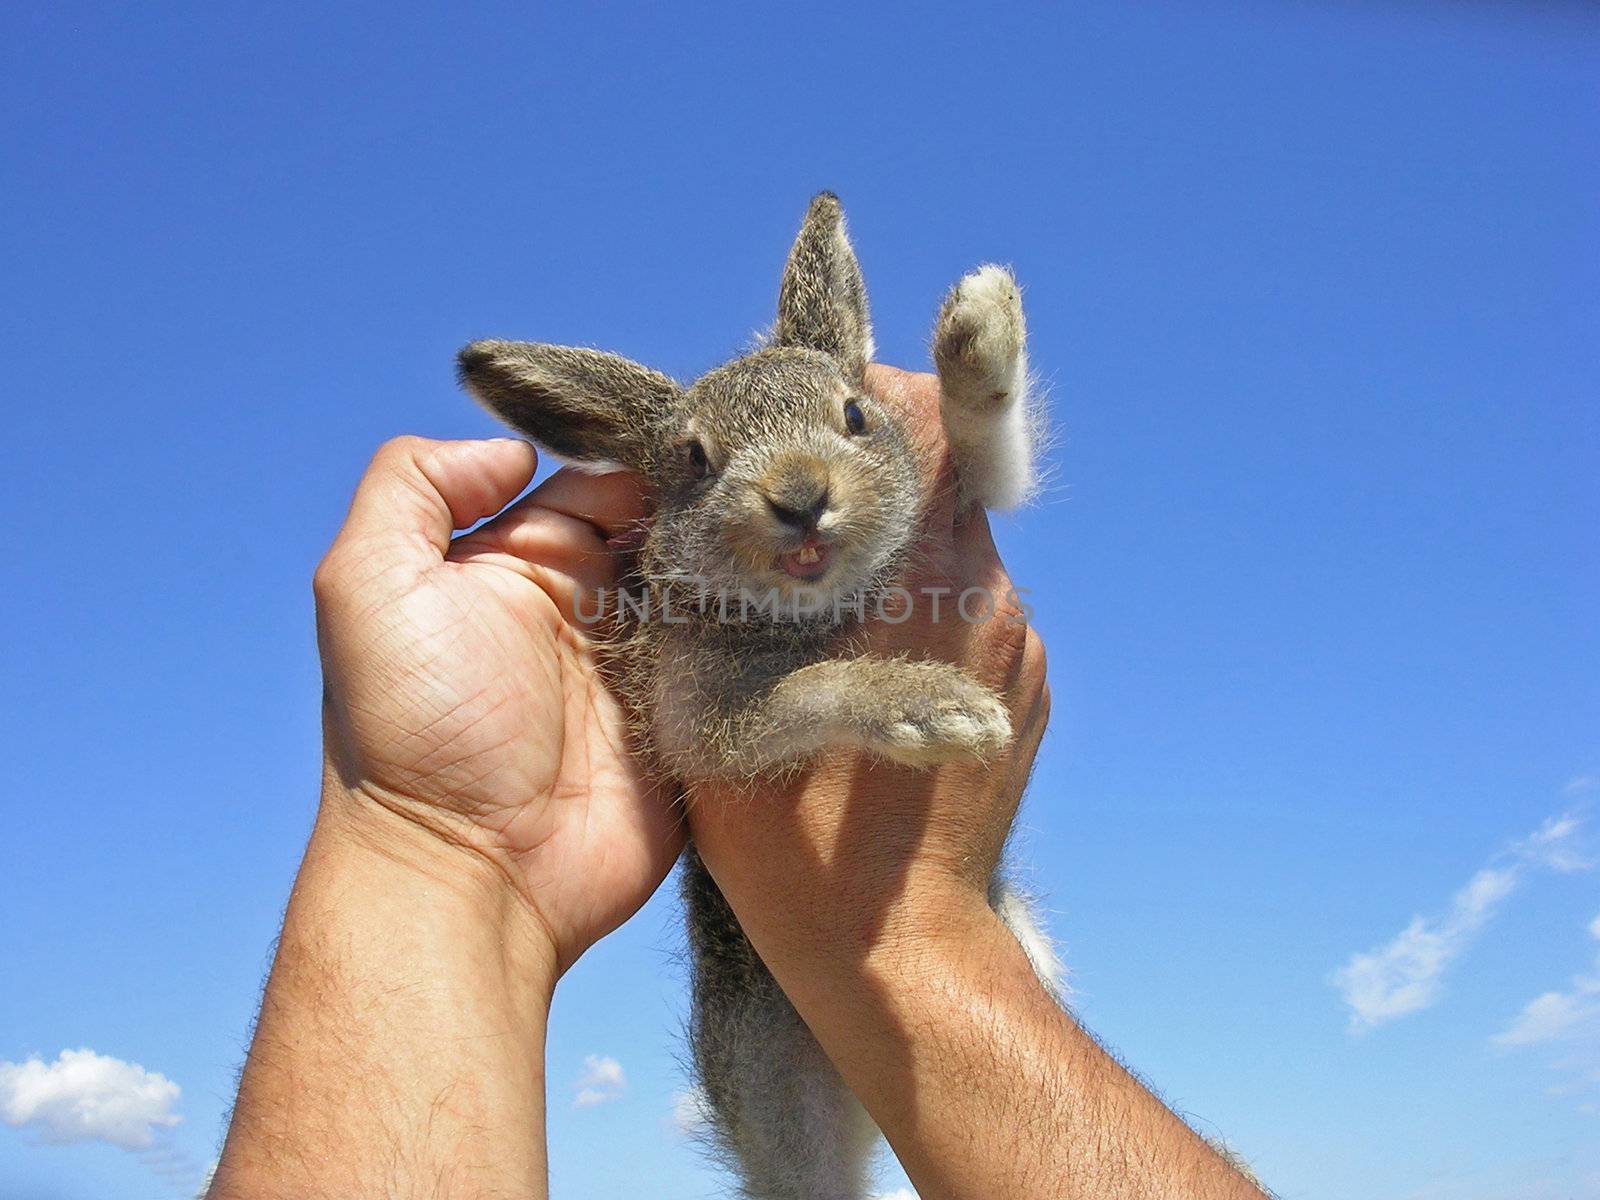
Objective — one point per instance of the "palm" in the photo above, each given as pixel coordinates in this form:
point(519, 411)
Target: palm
point(461, 690)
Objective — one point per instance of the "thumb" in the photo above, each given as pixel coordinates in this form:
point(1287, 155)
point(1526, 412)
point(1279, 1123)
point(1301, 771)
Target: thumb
point(420, 491)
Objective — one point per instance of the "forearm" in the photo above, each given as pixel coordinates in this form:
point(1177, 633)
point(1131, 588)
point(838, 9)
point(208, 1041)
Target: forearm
point(981, 1082)
point(400, 1047)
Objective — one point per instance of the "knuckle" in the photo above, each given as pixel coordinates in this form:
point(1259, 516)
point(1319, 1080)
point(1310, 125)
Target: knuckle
point(1033, 654)
point(405, 447)
point(327, 580)
point(1034, 663)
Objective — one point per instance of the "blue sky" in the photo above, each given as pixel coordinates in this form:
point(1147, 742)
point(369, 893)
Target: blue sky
point(1314, 287)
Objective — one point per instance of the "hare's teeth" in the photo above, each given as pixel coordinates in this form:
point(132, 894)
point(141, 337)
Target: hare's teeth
point(807, 555)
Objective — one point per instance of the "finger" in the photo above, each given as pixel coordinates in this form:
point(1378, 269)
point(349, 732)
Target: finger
point(557, 534)
point(1030, 727)
point(603, 506)
point(914, 397)
point(536, 541)
point(977, 558)
point(419, 491)
point(611, 503)
point(914, 393)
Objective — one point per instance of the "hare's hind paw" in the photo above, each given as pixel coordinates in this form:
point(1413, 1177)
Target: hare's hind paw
point(964, 722)
point(980, 348)
point(979, 342)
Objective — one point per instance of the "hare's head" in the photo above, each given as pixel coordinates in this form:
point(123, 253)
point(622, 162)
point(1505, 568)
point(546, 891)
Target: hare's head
point(776, 470)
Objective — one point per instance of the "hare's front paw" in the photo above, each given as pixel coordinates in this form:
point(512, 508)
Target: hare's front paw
point(962, 720)
point(978, 344)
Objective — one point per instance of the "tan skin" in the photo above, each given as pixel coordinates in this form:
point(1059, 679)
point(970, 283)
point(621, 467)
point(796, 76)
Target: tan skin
point(483, 823)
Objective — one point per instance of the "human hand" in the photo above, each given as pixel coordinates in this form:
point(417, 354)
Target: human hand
point(463, 707)
point(863, 886)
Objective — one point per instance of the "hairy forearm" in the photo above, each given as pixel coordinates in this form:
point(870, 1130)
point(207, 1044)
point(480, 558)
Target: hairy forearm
point(980, 1081)
point(400, 1047)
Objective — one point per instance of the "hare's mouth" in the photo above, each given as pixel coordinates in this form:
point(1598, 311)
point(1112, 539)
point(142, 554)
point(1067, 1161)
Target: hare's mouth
point(810, 561)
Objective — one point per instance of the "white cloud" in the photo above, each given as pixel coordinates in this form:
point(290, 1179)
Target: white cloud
point(601, 1080)
point(897, 1194)
point(1569, 1023)
point(1405, 975)
point(1551, 845)
point(1559, 1016)
point(1552, 1016)
point(86, 1097)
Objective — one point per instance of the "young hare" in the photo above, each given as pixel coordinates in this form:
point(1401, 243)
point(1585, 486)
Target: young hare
point(777, 479)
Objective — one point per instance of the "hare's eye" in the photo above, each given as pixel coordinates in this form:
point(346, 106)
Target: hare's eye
point(696, 454)
point(854, 419)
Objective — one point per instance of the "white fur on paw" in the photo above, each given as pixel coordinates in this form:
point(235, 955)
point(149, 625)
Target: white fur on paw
point(982, 338)
point(980, 348)
point(976, 726)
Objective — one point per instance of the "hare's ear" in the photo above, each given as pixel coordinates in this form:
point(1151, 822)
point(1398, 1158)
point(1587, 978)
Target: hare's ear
point(823, 301)
point(582, 404)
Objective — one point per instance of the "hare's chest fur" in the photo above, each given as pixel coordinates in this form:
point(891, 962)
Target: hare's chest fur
point(705, 688)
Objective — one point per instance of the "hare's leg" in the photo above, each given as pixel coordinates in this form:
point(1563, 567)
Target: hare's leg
point(1017, 911)
point(775, 1107)
point(980, 349)
point(917, 713)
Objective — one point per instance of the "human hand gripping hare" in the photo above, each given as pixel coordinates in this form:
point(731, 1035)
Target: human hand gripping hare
point(791, 677)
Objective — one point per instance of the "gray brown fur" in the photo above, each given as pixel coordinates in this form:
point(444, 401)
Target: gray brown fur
point(784, 471)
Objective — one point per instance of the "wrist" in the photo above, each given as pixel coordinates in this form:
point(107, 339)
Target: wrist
point(392, 851)
point(408, 1004)
point(940, 1028)
point(869, 930)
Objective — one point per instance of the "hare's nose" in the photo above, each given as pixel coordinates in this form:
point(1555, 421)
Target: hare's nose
point(803, 516)
point(800, 504)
